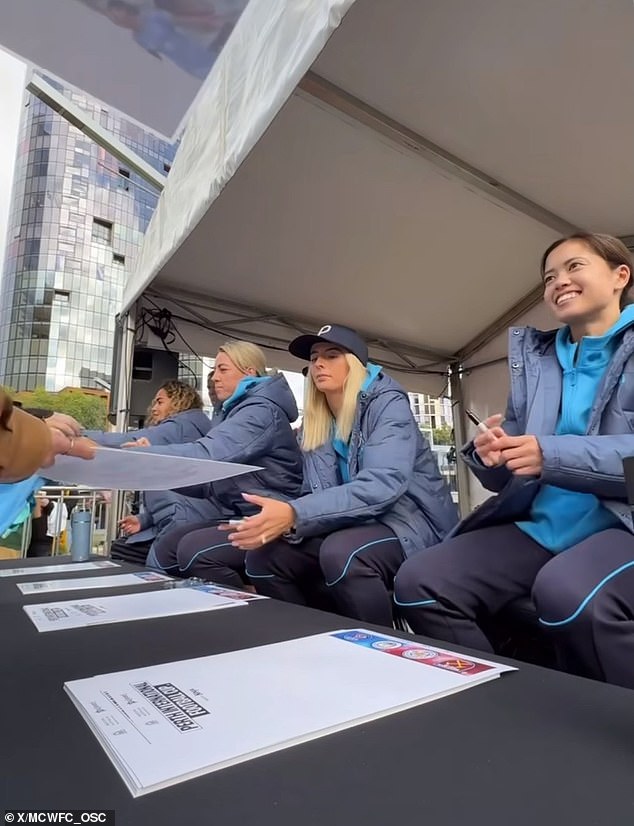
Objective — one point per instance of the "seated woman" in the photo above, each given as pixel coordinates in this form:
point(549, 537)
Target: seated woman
point(374, 494)
point(559, 526)
point(251, 426)
point(176, 416)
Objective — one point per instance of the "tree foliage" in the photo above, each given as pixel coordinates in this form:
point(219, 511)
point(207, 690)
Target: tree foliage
point(443, 435)
point(90, 411)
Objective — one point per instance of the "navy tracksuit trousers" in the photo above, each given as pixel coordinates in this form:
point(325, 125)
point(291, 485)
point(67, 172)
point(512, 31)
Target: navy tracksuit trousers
point(199, 550)
point(584, 595)
point(350, 571)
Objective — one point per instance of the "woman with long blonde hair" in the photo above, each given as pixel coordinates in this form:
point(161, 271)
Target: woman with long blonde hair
point(373, 492)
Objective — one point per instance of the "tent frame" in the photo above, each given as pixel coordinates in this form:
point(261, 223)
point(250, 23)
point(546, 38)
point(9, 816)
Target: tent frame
point(266, 326)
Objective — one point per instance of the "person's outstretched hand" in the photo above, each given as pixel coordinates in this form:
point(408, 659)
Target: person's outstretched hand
point(63, 445)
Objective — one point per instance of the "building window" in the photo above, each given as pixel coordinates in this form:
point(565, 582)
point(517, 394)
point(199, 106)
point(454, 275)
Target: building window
point(124, 178)
point(102, 230)
point(44, 127)
point(118, 259)
point(78, 187)
point(166, 167)
point(31, 253)
point(40, 330)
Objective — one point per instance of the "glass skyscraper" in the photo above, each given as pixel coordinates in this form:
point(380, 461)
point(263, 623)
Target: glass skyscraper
point(76, 223)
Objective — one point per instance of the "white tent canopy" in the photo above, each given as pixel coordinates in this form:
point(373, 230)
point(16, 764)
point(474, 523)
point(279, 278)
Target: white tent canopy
point(402, 176)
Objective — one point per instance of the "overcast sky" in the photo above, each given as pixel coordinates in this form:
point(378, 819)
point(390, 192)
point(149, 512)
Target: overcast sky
point(12, 75)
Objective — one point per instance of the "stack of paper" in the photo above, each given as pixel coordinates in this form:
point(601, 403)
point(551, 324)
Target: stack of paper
point(88, 582)
point(58, 616)
point(168, 723)
point(68, 568)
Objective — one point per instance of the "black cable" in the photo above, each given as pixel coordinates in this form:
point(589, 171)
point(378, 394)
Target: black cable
point(173, 317)
point(160, 322)
point(266, 345)
point(181, 363)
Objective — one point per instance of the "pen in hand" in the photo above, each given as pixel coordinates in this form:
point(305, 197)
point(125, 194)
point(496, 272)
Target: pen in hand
point(481, 426)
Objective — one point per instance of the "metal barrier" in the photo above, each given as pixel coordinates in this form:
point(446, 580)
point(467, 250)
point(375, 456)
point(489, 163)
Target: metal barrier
point(68, 498)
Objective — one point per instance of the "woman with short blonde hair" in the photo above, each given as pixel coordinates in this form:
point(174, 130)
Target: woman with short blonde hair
point(246, 356)
point(251, 426)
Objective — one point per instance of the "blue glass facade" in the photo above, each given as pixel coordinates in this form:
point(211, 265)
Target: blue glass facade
point(77, 220)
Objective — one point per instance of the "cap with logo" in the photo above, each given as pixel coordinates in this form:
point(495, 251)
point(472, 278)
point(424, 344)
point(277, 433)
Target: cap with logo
point(343, 337)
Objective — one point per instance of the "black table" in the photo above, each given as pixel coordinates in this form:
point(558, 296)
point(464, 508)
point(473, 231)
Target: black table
point(534, 747)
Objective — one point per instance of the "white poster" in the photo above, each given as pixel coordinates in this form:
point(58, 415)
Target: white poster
point(79, 613)
point(137, 469)
point(168, 723)
point(68, 568)
point(89, 582)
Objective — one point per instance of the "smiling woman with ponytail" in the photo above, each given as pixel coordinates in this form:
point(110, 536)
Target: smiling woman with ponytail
point(560, 526)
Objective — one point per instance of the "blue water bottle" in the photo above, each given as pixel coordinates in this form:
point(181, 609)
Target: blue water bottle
point(81, 529)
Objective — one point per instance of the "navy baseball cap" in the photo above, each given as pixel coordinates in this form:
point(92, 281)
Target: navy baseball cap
point(343, 337)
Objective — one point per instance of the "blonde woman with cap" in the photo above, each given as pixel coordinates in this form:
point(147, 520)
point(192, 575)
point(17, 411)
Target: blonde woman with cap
point(372, 492)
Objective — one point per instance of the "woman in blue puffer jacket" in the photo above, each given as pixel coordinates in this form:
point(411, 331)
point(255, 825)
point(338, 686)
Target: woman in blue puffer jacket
point(373, 494)
point(560, 525)
point(251, 426)
point(176, 417)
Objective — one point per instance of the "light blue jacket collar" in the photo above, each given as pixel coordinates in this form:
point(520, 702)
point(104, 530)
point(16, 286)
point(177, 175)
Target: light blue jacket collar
point(373, 371)
point(566, 348)
point(242, 389)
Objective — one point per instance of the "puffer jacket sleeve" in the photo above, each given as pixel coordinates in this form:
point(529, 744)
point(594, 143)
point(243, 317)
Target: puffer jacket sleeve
point(385, 467)
point(492, 478)
point(242, 437)
point(167, 432)
point(145, 519)
point(174, 430)
point(107, 439)
point(587, 464)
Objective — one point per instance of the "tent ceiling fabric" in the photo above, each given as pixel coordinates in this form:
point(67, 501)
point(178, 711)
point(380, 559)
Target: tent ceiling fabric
point(303, 228)
point(538, 95)
point(327, 221)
